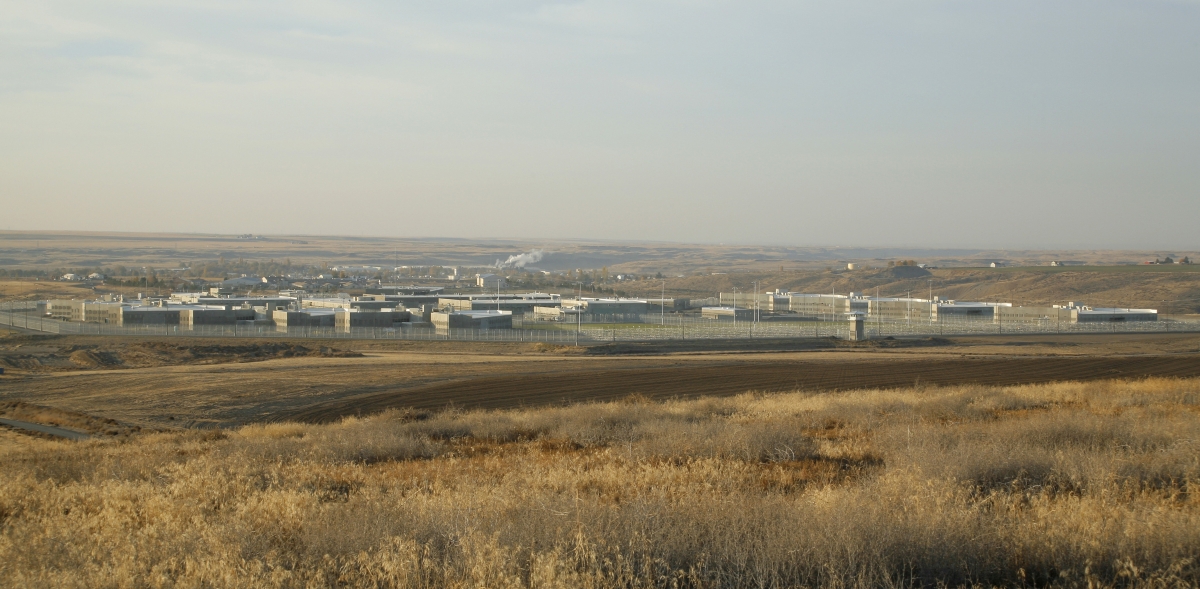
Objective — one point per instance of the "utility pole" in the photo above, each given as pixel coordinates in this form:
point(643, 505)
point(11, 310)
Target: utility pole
point(578, 314)
point(735, 306)
point(754, 312)
point(663, 300)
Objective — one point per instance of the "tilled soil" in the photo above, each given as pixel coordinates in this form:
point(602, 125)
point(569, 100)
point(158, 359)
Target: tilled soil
point(694, 381)
point(122, 354)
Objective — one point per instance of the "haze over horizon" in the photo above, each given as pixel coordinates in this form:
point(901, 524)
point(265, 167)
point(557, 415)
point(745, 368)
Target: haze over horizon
point(1022, 125)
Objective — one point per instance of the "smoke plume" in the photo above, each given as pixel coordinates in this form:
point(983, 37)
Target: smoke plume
point(521, 260)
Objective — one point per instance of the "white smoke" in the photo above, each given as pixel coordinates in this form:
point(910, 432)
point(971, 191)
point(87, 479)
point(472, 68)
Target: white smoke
point(521, 260)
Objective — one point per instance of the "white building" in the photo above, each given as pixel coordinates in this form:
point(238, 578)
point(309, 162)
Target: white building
point(491, 281)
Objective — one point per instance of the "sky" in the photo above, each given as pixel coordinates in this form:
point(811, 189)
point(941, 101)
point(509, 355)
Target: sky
point(1014, 124)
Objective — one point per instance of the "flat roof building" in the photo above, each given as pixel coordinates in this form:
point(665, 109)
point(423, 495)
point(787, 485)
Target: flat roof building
point(480, 320)
point(412, 290)
point(727, 313)
point(491, 281)
point(516, 306)
point(591, 306)
point(1073, 313)
point(346, 319)
point(287, 320)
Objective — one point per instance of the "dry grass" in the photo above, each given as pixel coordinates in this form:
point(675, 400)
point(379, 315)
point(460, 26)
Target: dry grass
point(1067, 485)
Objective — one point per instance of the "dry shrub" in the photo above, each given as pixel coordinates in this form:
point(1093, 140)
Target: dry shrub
point(1049, 485)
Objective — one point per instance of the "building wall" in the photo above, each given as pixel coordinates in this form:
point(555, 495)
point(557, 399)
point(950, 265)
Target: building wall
point(65, 310)
point(150, 316)
point(605, 307)
point(822, 305)
point(727, 314)
point(189, 318)
point(1116, 315)
point(463, 321)
point(951, 311)
point(746, 299)
point(1036, 314)
point(285, 319)
point(111, 313)
point(346, 319)
point(901, 310)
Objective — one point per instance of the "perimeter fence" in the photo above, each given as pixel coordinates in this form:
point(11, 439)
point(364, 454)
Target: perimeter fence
point(647, 327)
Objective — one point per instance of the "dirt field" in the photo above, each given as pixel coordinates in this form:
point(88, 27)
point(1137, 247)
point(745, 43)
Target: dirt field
point(688, 381)
point(42, 355)
point(193, 391)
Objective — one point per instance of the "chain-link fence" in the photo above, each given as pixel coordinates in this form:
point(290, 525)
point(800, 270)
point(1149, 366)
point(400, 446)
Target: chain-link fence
point(647, 327)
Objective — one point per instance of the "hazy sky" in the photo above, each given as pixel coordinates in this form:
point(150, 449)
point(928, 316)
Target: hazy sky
point(935, 123)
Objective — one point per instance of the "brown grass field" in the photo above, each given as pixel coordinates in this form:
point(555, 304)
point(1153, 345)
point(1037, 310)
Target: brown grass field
point(1068, 484)
point(1064, 461)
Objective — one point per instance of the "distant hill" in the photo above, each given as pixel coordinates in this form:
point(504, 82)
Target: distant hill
point(1170, 290)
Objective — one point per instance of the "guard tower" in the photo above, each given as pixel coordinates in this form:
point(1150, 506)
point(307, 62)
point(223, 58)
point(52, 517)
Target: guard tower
point(856, 332)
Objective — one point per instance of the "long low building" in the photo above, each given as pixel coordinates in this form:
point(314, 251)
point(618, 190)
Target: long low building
point(347, 319)
point(190, 317)
point(1074, 313)
point(516, 306)
point(375, 302)
point(480, 320)
point(949, 310)
point(286, 319)
point(590, 306)
point(815, 305)
point(231, 302)
point(727, 313)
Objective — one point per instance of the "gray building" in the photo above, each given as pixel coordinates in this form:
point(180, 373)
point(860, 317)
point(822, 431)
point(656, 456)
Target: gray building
point(286, 319)
point(590, 306)
point(1073, 313)
point(480, 320)
point(346, 319)
point(949, 310)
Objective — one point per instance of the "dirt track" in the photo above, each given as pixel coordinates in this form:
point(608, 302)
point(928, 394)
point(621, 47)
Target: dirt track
point(694, 381)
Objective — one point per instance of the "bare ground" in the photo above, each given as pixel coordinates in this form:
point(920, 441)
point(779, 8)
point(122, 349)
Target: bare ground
point(200, 393)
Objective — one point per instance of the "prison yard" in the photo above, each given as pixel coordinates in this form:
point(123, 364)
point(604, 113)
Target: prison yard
point(635, 418)
point(484, 308)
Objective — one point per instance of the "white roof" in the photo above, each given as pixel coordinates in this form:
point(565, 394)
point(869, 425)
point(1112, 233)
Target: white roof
point(970, 304)
point(480, 314)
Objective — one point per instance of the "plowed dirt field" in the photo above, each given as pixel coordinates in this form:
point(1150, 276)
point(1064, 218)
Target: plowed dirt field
point(695, 381)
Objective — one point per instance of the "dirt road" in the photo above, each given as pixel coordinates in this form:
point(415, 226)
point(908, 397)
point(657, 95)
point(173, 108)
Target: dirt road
point(49, 430)
point(700, 380)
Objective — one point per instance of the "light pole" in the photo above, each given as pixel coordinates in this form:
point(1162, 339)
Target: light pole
point(754, 313)
point(578, 313)
point(663, 301)
point(735, 306)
